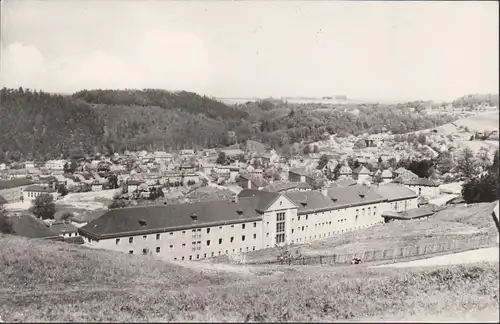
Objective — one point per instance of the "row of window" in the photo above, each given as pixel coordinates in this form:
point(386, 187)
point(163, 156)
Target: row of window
point(196, 233)
point(357, 213)
point(243, 237)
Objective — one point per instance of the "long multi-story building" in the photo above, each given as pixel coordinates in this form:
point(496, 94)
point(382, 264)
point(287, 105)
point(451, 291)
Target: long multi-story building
point(253, 220)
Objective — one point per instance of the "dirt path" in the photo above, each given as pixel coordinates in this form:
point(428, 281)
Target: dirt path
point(473, 256)
point(489, 315)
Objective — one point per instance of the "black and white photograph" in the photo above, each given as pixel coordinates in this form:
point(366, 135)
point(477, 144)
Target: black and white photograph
point(249, 161)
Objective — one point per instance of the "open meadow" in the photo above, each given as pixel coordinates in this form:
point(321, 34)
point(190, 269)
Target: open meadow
point(50, 281)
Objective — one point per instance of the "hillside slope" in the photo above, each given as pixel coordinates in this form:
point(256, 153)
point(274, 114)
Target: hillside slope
point(49, 281)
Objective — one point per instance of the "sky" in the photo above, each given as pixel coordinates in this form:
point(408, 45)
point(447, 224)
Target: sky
point(376, 50)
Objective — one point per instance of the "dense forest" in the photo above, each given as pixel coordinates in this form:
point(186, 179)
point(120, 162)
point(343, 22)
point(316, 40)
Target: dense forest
point(40, 126)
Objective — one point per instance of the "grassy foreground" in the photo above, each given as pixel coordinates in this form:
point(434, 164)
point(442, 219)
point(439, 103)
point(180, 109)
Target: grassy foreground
point(49, 281)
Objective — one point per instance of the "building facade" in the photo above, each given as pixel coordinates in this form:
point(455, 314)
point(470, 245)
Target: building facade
point(253, 220)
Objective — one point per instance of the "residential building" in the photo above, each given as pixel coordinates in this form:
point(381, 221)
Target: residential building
point(253, 220)
point(194, 231)
point(345, 172)
point(55, 164)
point(64, 229)
point(31, 192)
point(361, 174)
point(300, 175)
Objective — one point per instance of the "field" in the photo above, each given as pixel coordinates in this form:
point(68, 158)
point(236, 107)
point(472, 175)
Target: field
point(456, 222)
point(481, 122)
point(49, 281)
point(89, 200)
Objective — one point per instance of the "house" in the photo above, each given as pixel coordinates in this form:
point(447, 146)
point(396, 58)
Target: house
point(300, 175)
point(386, 176)
point(345, 172)
point(247, 181)
point(31, 192)
point(254, 146)
point(421, 186)
point(253, 220)
point(55, 164)
point(97, 186)
point(361, 174)
point(29, 165)
point(133, 185)
point(64, 229)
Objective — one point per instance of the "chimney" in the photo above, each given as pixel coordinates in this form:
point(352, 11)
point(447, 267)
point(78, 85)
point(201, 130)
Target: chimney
point(324, 191)
point(235, 199)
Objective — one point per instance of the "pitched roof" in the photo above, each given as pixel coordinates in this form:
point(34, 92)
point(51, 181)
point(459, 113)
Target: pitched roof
point(37, 188)
point(354, 195)
point(153, 219)
point(343, 183)
point(345, 169)
point(261, 199)
point(310, 201)
point(63, 228)
point(413, 213)
point(284, 186)
point(28, 226)
point(386, 174)
point(417, 182)
point(300, 171)
point(361, 170)
point(394, 191)
point(13, 183)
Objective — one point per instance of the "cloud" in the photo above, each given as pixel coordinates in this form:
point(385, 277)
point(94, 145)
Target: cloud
point(156, 59)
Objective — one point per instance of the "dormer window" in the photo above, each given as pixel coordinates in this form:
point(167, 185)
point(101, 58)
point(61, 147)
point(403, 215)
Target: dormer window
point(239, 211)
point(362, 195)
point(142, 222)
point(193, 216)
point(334, 199)
point(303, 203)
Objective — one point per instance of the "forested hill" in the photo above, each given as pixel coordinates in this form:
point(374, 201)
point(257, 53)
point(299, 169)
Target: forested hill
point(188, 102)
point(40, 126)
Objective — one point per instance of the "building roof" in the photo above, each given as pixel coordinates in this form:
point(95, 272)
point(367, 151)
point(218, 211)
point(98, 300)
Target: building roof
point(361, 170)
point(37, 188)
point(13, 183)
point(413, 213)
point(310, 201)
point(153, 219)
point(284, 186)
point(3, 201)
point(387, 174)
point(345, 170)
point(262, 200)
point(343, 183)
point(395, 191)
point(424, 182)
point(74, 240)
point(300, 171)
point(354, 195)
point(28, 226)
point(89, 216)
point(63, 228)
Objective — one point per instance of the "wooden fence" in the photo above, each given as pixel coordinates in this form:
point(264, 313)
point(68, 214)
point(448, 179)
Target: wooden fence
point(393, 254)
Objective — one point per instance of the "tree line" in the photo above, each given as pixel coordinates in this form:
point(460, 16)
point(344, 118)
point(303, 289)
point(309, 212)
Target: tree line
point(35, 125)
